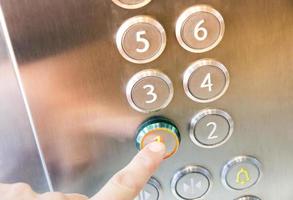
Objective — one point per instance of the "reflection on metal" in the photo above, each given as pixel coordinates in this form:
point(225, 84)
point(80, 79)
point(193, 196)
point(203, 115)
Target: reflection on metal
point(15, 118)
point(75, 80)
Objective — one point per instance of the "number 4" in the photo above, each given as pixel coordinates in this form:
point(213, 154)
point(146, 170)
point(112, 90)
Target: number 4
point(207, 82)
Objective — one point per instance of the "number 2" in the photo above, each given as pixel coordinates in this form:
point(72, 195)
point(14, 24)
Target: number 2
point(151, 93)
point(212, 135)
point(207, 82)
point(145, 42)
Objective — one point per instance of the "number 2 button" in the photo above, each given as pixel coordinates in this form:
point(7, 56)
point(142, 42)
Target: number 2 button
point(211, 128)
point(206, 80)
point(149, 90)
point(141, 39)
point(200, 28)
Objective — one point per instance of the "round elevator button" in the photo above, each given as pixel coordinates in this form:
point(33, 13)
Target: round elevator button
point(211, 128)
point(151, 191)
point(141, 39)
point(206, 80)
point(191, 182)
point(200, 28)
point(241, 173)
point(158, 129)
point(149, 90)
point(131, 4)
point(248, 198)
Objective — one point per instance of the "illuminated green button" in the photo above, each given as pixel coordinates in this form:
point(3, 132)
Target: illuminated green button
point(158, 129)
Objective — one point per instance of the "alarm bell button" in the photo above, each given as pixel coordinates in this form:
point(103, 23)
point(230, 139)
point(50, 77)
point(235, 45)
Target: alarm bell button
point(158, 129)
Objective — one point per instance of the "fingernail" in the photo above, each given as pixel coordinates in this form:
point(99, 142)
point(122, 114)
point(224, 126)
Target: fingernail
point(157, 147)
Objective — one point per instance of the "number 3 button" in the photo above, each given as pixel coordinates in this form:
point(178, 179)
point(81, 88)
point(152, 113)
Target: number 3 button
point(149, 90)
point(141, 39)
point(211, 128)
point(200, 28)
point(206, 80)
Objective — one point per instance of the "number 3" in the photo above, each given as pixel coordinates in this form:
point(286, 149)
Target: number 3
point(151, 93)
point(145, 42)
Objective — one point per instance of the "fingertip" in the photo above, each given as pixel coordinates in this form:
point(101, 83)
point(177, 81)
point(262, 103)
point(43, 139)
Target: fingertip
point(158, 148)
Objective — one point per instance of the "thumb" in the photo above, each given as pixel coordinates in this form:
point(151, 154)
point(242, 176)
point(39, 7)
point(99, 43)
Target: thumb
point(127, 183)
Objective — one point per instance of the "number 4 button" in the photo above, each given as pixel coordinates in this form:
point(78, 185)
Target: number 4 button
point(206, 80)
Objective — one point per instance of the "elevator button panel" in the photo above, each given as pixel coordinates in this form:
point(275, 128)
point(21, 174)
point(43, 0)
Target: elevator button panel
point(211, 128)
point(206, 80)
point(131, 4)
point(200, 28)
point(159, 129)
point(191, 182)
point(141, 39)
point(149, 91)
point(241, 173)
point(151, 191)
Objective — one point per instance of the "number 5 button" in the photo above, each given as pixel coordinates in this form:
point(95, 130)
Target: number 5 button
point(206, 80)
point(211, 128)
point(149, 90)
point(200, 28)
point(141, 39)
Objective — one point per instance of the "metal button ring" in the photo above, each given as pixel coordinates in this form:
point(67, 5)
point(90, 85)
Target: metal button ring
point(200, 28)
point(248, 198)
point(131, 4)
point(241, 173)
point(141, 39)
point(206, 80)
point(191, 182)
point(149, 90)
point(151, 191)
point(211, 128)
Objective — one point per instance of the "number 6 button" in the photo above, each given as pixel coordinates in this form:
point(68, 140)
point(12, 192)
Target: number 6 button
point(149, 90)
point(206, 80)
point(200, 28)
point(141, 39)
point(211, 128)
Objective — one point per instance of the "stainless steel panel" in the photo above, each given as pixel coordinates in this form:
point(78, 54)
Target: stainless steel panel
point(20, 160)
point(75, 80)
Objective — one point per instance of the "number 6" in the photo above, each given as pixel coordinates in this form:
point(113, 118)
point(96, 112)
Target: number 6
point(198, 29)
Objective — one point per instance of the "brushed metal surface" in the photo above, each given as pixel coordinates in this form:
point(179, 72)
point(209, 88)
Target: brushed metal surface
point(20, 160)
point(75, 81)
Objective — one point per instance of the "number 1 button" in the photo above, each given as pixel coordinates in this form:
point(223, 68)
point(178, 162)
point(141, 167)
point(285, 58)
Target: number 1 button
point(211, 128)
point(200, 28)
point(206, 80)
point(141, 39)
point(149, 90)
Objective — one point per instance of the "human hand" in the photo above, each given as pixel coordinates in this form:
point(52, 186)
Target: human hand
point(125, 185)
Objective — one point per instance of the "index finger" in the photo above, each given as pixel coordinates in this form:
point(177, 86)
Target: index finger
point(127, 183)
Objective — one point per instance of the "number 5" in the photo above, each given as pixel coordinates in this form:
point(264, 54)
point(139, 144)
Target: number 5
point(198, 29)
point(145, 42)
